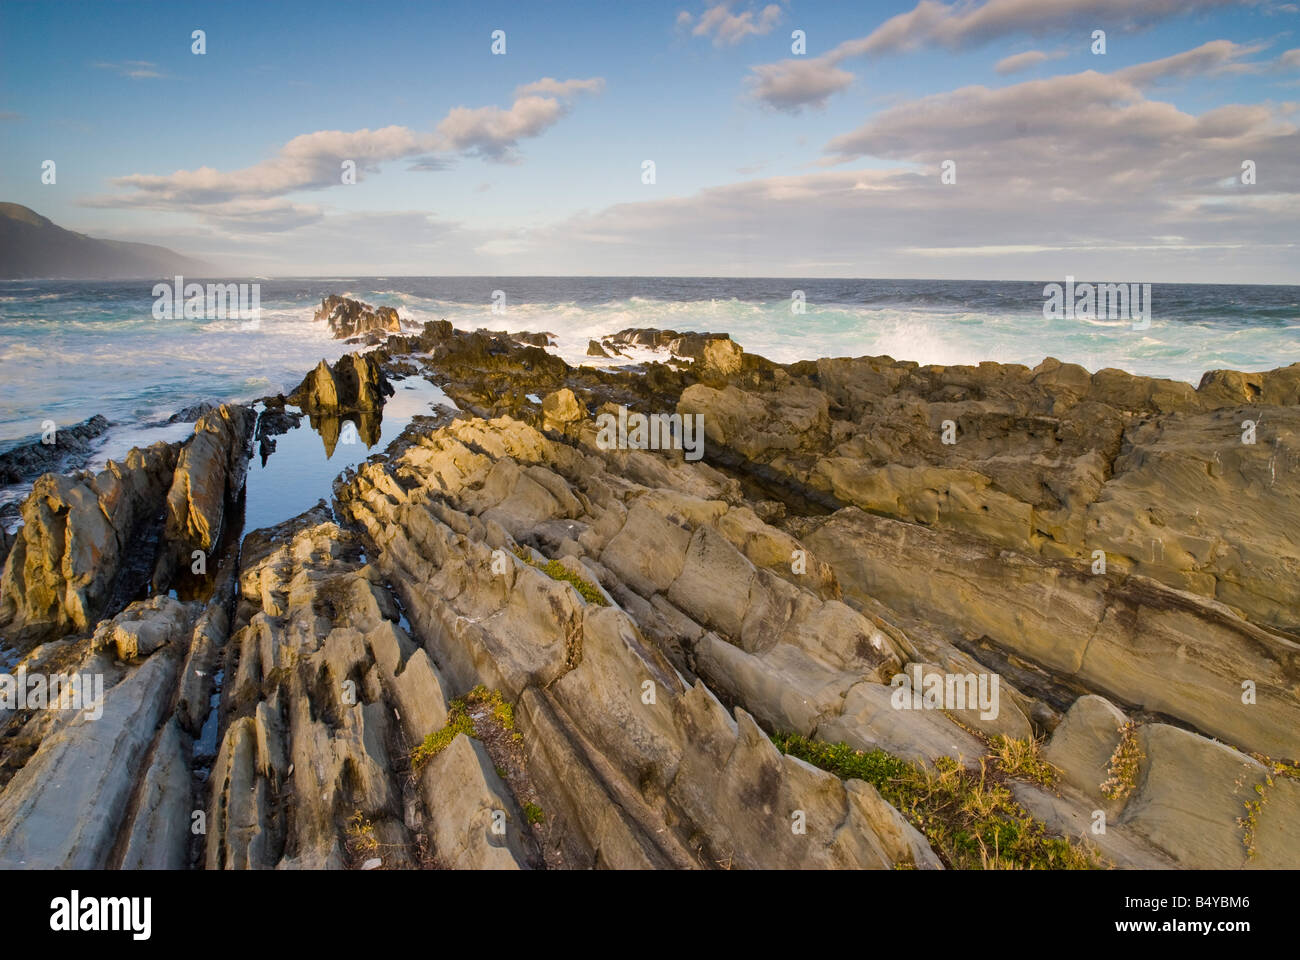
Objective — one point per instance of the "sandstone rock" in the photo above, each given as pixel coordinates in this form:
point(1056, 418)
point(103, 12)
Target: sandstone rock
point(1084, 742)
point(208, 479)
point(720, 358)
point(1190, 796)
point(560, 408)
point(470, 805)
point(144, 627)
point(65, 807)
point(1128, 638)
point(161, 829)
point(355, 383)
point(78, 533)
point(901, 841)
point(613, 596)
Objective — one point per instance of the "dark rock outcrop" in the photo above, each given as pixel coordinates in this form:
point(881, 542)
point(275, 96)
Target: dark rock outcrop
point(351, 318)
point(69, 451)
point(355, 383)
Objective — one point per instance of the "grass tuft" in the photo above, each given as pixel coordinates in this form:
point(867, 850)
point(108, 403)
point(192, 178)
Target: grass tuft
point(558, 571)
point(1022, 759)
point(970, 818)
point(1122, 771)
point(460, 720)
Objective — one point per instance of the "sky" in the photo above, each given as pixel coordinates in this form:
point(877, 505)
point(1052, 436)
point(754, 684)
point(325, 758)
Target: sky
point(1123, 165)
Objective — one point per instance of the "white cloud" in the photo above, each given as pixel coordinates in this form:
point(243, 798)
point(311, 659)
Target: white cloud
point(314, 161)
point(1022, 61)
point(1215, 57)
point(954, 26)
point(1079, 173)
point(965, 24)
point(727, 28)
point(550, 87)
point(135, 69)
point(791, 85)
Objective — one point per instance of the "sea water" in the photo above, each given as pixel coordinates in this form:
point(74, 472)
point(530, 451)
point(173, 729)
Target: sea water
point(69, 350)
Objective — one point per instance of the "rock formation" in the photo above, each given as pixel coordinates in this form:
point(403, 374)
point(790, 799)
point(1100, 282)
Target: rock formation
point(69, 447)
point(77, 534)
point(356, 383)
point(510, 645)
point(349, 318)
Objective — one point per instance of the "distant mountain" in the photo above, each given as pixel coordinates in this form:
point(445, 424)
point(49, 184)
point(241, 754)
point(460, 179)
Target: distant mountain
point(32, 247)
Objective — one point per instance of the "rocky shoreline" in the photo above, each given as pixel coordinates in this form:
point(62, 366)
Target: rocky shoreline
point(509, 643)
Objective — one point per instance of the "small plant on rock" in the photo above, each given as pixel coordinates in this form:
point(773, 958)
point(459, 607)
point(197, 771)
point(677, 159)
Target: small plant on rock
point(1022, 758)
point(1122, 771)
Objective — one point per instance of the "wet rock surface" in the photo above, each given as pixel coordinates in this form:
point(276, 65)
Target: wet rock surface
point(349, 318)
point(58, 450)
point(512, 644)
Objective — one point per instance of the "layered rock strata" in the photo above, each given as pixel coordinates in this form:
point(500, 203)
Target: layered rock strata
point(511, 645)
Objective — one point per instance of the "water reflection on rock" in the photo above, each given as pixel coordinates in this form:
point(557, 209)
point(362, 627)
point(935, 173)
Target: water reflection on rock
point(347, 429)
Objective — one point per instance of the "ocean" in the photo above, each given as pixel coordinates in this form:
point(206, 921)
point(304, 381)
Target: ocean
point(69, 350)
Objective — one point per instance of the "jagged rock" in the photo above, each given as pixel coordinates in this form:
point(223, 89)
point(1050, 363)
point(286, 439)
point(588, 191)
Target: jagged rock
point(351, 318)
point(1231, 388)
point(1190, 796)
point(720, 358)
point(902, 842)
point(329, 694)
point(356, 382)
point(160, 833)
point(617, 598)
point(1126, 637)
point(535, 339)
point(1031, 460)
point(193, 412)
point(869, 721)
point(561, 408)
point(1193, 506)
point(208, 479)
point(69, 450)
point(76, 536)
point(594, 349)
point(66, 806)
point(472, 805)
point(438, 513)
point(689, 344)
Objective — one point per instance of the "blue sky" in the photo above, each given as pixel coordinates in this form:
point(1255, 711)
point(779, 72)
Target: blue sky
point(766, 163)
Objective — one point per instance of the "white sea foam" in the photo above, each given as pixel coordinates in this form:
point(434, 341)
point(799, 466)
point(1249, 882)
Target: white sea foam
point(68, 357)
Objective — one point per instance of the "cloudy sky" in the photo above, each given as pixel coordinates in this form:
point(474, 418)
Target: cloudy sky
point(768, 161)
